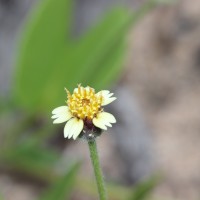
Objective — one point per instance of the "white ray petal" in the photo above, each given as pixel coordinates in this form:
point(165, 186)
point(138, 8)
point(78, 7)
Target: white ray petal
point(68, 127)
point(87, 88)
point(109, 95)
point(108, 124)
point(104, 119)
point(107, 117)
point(75, 90)
point(99, 123)
point(73, 128)
point(103, 92)
point(54, 117)
point(60, 109)
point(62, 117)
point(78, 128)
point(76, 125)
point(107, 101)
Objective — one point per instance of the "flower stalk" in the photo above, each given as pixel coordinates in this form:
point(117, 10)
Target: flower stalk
point(97, 169)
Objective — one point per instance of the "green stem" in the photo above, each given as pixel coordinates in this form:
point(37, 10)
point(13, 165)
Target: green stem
point(97, 170)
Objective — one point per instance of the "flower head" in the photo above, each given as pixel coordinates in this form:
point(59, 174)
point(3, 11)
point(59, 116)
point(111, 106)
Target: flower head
point(84, 113)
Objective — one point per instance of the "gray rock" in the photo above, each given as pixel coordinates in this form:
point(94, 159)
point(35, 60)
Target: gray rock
point(132, 137)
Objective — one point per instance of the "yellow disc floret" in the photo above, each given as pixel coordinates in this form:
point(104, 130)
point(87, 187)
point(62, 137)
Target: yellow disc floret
point(84, 103)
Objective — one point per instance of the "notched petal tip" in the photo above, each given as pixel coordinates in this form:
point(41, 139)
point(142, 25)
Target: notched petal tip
point(113, 98)
point(59, 120)
point(60, 109)
point(53, 116)
point(103, 92)
point(98, 122)
point(107, 101)
point(109, 125)
point(104, 119)
point(61, 117)
point(73, 128)
point(109, 117)
point(78, 128)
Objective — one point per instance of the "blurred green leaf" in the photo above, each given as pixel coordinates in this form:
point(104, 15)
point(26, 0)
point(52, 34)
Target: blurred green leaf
point(112, 56)
point(116, 192)
point(119, 192)
point(80, 62)
point(96, 47)
point(62, 188)
point(1, 197)
point(6, 106)
point(44, 37)
point(144, 189)
point(110, 67)
point(49, 61)
point(31, 160)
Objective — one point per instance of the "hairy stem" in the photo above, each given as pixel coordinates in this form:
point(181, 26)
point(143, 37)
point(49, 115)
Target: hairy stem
point(97, 170)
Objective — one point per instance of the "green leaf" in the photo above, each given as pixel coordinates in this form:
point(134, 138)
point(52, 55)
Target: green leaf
point(109, 68)
point(50, 61)
point(112, 53)
point(62, 188)
point(144, 189)
point(98, 43)
point(84, 57)
point(1, 197)
point(32, 160)
point(45, 35)
point(115, 191)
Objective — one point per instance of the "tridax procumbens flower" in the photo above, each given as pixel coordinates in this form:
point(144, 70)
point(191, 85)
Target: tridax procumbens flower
point(84, 113)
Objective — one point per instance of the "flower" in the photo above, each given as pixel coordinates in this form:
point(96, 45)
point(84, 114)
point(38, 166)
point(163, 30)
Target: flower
point(84, 113)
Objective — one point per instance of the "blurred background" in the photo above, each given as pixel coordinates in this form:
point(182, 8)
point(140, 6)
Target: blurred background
point(146, 52)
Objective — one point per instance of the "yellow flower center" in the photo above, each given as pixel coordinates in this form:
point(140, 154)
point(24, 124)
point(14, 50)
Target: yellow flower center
point(84, 103)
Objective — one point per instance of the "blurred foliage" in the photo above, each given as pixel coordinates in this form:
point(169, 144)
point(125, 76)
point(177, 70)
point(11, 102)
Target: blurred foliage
point(139, 191)
point(144, 189)
point(49, 60)
point(62, 189)
point(28, 159)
